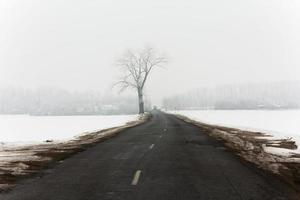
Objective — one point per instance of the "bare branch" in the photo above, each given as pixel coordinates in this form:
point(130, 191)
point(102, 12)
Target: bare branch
point(137, 67)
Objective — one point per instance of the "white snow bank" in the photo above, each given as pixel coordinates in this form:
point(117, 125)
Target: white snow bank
point(281, 124)
point(24, 129)
point(280, 151)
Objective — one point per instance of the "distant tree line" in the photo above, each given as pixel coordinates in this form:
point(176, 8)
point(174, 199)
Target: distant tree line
point(279, 95)
point(53, 101)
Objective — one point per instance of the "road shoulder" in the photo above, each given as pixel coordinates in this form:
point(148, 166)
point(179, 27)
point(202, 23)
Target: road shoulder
point(251, 147)
point(22, 162)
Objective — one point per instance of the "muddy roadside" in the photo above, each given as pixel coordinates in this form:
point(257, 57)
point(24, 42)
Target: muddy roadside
point(259, 149)
point(20, 162)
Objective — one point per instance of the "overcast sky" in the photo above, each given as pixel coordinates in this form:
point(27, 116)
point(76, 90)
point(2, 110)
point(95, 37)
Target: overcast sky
point(73, 43)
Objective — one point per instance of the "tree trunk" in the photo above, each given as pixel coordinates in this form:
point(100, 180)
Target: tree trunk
point(141, 101)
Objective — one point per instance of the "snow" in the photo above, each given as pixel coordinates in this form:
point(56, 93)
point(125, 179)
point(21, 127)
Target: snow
point(25, 129)
point(280, 151)
point(281, 124)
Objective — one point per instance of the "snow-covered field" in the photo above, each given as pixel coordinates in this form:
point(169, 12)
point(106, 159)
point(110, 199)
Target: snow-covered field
point(279, 123)
point(35, 129)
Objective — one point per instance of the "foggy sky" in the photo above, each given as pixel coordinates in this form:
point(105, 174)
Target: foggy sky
point(73, 44)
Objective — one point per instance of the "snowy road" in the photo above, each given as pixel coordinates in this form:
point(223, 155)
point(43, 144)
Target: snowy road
point(164, 158)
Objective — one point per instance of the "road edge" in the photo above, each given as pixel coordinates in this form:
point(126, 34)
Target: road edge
point(251, 150)
point(47, 155)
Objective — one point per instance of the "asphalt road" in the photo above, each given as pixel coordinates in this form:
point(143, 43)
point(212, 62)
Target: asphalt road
point(163, 159)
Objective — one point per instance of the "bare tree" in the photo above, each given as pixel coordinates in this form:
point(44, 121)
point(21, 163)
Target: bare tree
point(136, 67)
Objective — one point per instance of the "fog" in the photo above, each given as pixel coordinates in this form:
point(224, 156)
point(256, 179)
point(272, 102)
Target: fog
point(73, 44)
point(271, 96)
point(54, 101)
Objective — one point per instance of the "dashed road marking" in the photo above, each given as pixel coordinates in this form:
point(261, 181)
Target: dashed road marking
point(151, 146)
point(136, 177)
